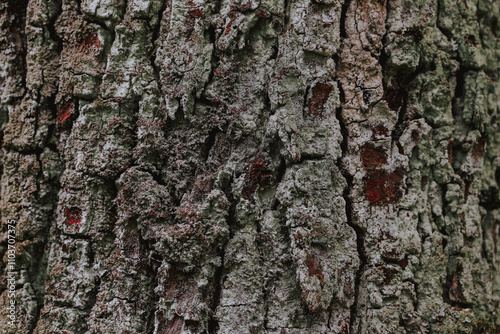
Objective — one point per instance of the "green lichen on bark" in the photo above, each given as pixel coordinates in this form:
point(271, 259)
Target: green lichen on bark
point(194, 166)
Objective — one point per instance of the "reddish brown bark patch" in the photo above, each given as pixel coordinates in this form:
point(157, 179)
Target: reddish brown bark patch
point(132, 241)
point(450, 151)
point(453, 289)
point(345, 325)
point(242, 8)
point(173, 326)
point(383, 187)
point(204, 183)
point(320, 93)
point(73, 216)
point(64, 112)
point(415, 135)
point(233, 15)
point(423, 182)
point(389, 273)
point(91, 40)
point(314, 267)
point(196, 13)
point(257, 175)
point(477, 152)
point(181, 288)
point(373, 156)
point(394, 99)
point(495, 229)
point(380, 131)
point(471, 40)
point(403, 262)
point(467, 185)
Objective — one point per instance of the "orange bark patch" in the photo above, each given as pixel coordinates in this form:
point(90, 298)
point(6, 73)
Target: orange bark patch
point(383, 187)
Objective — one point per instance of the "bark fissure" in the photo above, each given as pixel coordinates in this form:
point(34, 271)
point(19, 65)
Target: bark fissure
point(350, 222)
point(155, 35)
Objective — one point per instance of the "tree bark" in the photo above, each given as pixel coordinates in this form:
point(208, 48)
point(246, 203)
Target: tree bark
point(272, 166)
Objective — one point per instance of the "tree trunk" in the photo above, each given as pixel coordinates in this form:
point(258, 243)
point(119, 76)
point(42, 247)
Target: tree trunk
point(272, 166)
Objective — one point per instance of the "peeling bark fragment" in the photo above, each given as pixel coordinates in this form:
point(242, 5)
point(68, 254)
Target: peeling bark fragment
point(478, 150)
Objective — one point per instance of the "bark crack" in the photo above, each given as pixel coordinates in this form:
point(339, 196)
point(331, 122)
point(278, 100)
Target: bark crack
point(155, 36)
point(360, 234)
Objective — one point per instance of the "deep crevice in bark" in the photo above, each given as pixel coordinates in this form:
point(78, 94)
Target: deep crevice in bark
point(286, 13)
point(345, 7)
point(218, 281)
point(213, 324)
point(52, 31)
point(457, 105)
point(350, 221)
point(154, 38)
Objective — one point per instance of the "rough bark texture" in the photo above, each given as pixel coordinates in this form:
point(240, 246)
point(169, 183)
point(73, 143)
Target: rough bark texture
point(272, 166)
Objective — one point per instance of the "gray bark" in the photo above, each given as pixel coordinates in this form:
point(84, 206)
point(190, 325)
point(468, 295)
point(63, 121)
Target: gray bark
point(272, 166)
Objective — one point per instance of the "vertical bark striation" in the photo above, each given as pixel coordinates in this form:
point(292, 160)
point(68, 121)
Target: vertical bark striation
point(251, 166)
